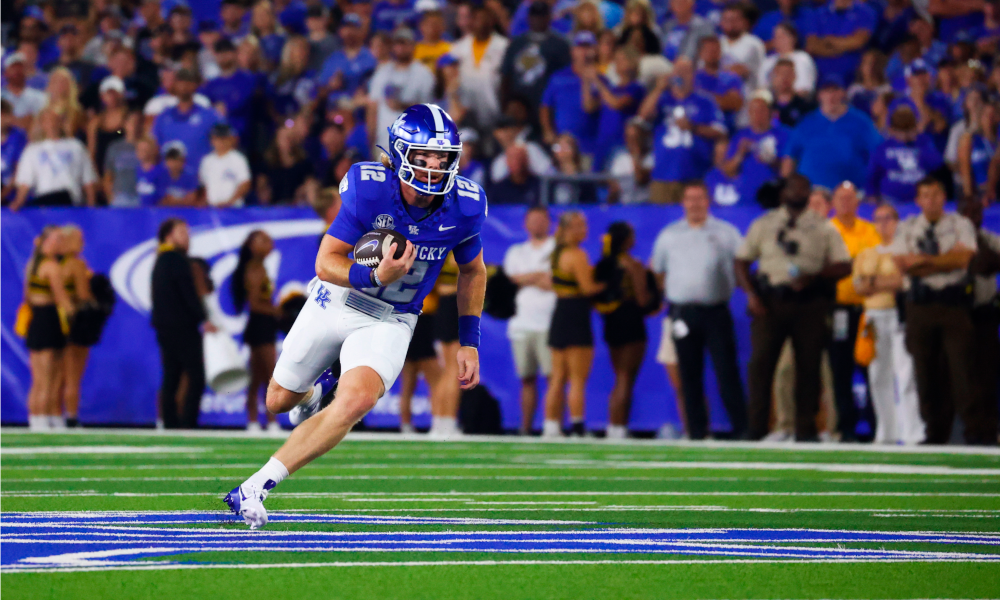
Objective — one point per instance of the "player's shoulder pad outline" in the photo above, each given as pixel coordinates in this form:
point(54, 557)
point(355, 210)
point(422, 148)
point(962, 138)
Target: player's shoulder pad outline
point(471, 206)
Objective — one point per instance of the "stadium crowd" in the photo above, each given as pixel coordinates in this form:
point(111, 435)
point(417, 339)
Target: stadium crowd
point(807, 108)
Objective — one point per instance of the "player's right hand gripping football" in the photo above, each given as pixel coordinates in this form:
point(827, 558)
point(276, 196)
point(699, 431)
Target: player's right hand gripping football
point(391, 269)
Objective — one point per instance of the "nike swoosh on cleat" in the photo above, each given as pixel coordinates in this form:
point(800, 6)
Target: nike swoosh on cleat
point(443, 228)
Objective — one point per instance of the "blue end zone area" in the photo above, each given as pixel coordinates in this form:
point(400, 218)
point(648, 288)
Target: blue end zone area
point(109, 540)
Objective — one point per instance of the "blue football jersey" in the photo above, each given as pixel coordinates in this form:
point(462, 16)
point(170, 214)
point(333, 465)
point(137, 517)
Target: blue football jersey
point(371, 199)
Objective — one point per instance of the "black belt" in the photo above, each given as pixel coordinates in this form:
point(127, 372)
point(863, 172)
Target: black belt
point(953, 295)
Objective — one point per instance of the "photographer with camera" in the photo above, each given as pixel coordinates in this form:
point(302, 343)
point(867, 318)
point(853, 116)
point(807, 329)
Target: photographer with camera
point(933, 249)
point(800, 256)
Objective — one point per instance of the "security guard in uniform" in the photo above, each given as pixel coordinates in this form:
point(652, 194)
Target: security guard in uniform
point(985, 319)
point(934, 249)
point(800, 256)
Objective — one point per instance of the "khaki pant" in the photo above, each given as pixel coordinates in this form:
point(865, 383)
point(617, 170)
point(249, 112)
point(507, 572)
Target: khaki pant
point(784, 393)
point(665, 192)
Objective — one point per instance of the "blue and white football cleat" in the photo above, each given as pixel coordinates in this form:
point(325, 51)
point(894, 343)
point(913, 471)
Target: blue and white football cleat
point(247, 501)
point(313, 405)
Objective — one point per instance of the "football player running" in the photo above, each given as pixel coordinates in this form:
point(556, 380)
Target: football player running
point(366, 316)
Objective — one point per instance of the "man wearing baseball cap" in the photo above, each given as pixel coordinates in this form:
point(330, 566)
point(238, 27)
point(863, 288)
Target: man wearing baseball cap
point(187, 122)
point(480, 54)
point(533, 57)
point(396, 85)
point(350, 67)
point(225, 172)
point(833, 144)
point(431, 46)
point(26, 102)
point(562, 109)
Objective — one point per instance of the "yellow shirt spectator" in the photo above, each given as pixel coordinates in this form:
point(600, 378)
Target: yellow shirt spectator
point(429, 53)
point(861, 236)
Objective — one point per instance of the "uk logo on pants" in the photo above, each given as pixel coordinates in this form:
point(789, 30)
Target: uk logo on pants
point(323, 297)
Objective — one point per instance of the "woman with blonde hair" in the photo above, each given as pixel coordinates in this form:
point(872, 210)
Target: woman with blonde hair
point(587, 17)
point(51, 308)
point(292, 87)
point(76, 282)
point(267, 30)
point(570, 338)
point(54, 167)
point(64, 94)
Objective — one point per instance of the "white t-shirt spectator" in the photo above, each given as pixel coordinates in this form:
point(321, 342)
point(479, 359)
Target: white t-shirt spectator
point(481, 81)
point(805, 71)
point(221, 175)
point(55, 166)
point(29, 102)
point(412, 84)
point(747, 50)
point(162, 102)
point(622, 168)
point(534, 305)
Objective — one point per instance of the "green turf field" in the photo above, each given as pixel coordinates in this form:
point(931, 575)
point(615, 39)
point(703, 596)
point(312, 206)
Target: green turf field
point(129, 515)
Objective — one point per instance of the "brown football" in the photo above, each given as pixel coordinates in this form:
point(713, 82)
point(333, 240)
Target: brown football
point(368, 250)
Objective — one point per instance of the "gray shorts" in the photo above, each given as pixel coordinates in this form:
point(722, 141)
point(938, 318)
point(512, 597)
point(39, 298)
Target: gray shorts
point(531, 354)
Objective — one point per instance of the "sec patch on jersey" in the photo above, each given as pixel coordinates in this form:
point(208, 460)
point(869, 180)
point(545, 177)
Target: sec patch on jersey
point(369, 249)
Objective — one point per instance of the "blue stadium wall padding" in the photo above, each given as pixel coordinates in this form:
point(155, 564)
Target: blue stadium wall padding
point(121, 382)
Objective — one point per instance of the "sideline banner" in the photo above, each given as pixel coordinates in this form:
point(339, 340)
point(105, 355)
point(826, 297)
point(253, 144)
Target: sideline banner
point(123, 375)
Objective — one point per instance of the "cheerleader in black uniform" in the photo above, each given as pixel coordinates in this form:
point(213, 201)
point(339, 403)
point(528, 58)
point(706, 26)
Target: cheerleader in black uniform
point(421, 357)
point(444, 403)
point(251, 285)
point(623, 307)
point(570, 336)
point(82, 336)
point(51, 308)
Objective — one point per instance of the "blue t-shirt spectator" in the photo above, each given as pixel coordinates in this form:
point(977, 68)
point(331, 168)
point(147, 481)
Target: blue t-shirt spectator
point(896, 167)
point(679, 154)
point(830, 152)
point(829, 21)
point(764, 29)
point(759, 164)
point(718, 84)
point(356, 70)
point(10, 153)
point(185, 183)
point(190, 128)
point(726, 191)
point(237, 92)
point(982, 152)
point(387, 15)
point(895, 69)
point(271, 46)
point(563, 99)
point(289, 96)
point(891, 32)
point(149, 184)
point(611, 122)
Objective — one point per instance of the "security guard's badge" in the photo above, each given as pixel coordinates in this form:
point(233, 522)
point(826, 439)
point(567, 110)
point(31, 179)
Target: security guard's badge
point(680, 329)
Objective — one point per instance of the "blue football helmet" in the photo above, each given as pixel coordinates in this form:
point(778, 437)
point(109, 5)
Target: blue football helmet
point(424, 127)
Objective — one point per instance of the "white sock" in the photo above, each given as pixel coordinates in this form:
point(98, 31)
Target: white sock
point(273, 471)
point(446, 425)
point(316, 394)
point(551, 428)
point(57, 422)
point(616, 432)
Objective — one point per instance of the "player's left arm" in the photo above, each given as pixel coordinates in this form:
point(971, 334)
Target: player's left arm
point(471, 293)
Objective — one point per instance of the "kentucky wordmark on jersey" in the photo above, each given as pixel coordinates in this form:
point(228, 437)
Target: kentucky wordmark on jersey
point(371, 199)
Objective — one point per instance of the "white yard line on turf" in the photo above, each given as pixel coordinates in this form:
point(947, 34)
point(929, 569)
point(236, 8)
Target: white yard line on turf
point(472, 439)
point(439, 497)
point(89, 450)
point(845, 480)
point(474, 563)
